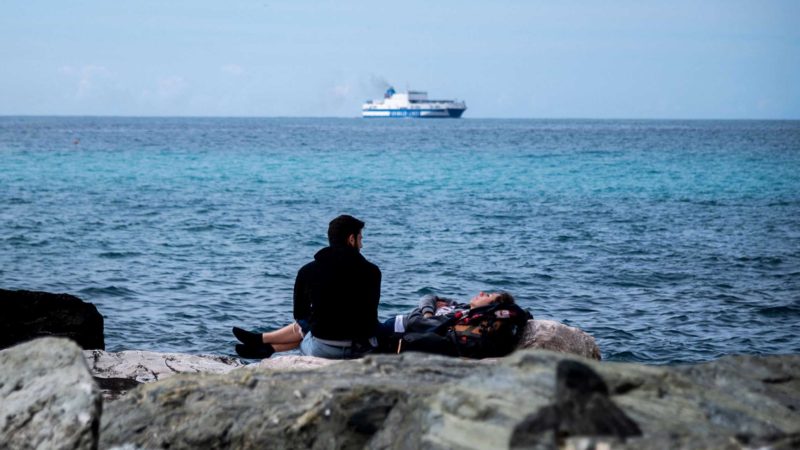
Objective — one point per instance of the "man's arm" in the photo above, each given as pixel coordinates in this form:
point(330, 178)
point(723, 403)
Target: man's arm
point(375, 291)
point(302, 303)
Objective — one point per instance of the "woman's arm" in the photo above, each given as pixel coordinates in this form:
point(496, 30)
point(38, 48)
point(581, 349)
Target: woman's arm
point(427, 305)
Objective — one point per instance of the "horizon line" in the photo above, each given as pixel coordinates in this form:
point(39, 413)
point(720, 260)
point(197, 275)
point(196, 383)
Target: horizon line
point(393, 119)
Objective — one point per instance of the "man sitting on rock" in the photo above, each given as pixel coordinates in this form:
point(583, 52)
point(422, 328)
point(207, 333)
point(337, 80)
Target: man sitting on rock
point(335, 302)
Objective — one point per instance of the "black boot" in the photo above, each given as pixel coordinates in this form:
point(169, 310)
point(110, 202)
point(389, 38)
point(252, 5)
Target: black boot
point(262, 352)
point(248, 337)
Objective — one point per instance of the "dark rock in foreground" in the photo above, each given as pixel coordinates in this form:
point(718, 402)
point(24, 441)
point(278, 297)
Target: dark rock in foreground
point(414, 401)
point(582, 407)
point(531, 399)
point(27, 315)
point(49, 399)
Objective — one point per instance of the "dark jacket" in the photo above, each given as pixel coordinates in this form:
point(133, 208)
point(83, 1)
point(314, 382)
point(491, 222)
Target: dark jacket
point(338, 295)
point(416, 321)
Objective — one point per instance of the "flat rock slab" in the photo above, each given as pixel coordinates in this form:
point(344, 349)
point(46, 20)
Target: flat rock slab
point(146, 367)
point(118, 372)
point(48, 397)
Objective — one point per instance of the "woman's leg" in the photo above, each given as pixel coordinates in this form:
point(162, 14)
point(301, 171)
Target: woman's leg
point(291, 335)
point(285, 347)
point(263, 345)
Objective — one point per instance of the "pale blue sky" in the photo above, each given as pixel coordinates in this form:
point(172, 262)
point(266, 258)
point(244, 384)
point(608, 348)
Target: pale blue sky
point(554, 59)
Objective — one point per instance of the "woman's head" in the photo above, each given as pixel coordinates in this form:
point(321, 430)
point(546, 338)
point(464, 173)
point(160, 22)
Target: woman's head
point(485, 299)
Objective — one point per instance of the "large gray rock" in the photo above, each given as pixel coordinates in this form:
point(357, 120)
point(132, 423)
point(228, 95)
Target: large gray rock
point(427, 401)
point(26, 315)
point(48, 397)
point(262, 408)
point(557, 337)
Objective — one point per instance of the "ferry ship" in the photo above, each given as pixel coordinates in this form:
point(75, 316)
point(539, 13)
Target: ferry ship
point(412, 104)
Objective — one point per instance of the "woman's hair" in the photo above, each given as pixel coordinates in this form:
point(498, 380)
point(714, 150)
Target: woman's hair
point(505, 298)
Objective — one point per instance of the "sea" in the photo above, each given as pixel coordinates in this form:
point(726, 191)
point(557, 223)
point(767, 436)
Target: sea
point(669, 241)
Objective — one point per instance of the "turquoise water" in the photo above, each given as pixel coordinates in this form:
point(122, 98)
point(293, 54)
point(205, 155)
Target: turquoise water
point(669, 241)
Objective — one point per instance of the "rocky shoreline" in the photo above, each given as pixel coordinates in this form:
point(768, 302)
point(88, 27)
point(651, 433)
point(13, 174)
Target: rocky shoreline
point(51, 399)
point(59, 395)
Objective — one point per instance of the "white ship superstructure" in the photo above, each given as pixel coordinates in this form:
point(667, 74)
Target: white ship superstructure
point(412, 104)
